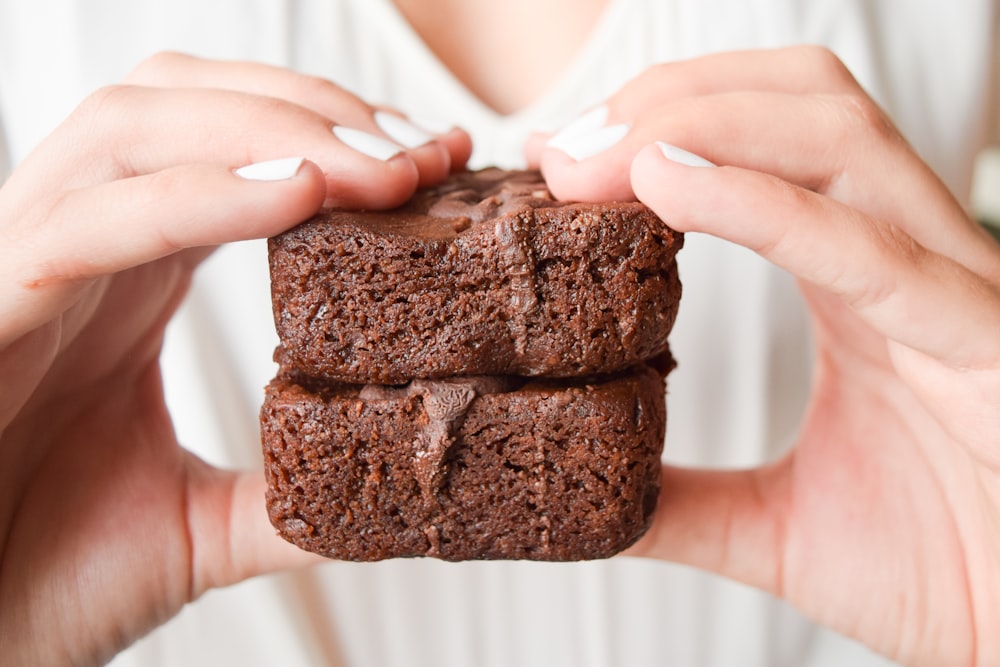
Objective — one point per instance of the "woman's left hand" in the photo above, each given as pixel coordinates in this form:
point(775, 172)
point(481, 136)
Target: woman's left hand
point(883, 521)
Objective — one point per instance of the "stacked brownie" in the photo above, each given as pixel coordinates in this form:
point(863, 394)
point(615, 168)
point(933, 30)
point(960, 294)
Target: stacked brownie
point(477, 374)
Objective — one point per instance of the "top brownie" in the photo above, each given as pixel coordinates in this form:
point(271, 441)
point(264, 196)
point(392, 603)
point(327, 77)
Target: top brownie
point(485, 274)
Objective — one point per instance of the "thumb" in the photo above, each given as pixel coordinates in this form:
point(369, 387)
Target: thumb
point(731, 523)
point(86, 233)
point(231, 538)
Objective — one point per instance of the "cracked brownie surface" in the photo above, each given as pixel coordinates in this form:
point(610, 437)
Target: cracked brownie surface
point(478, 374)
point(486, 275)
point(465, 469)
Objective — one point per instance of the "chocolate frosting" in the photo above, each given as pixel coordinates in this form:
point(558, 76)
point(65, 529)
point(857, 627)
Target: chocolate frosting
point(493, 194)
point(465, 199)
point(484, 274)
point(485, 194)
point(446, 402)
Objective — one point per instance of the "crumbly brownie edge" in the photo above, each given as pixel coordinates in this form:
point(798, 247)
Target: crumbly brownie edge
point(561, 292)
point(544, 472)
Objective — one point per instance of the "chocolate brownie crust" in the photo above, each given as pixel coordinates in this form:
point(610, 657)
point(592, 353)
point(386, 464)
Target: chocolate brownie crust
point(527, 469)
point(478, 374)
point(486, 275)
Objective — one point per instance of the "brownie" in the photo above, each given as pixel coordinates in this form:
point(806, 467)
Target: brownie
point(484, 275)
point(478, 374)
point(464, 468)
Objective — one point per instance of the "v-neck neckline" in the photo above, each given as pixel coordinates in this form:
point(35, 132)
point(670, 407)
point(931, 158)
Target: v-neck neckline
point(578, 66)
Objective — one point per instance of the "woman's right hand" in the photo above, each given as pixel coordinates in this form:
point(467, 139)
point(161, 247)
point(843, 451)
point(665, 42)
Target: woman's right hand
point(107, 525)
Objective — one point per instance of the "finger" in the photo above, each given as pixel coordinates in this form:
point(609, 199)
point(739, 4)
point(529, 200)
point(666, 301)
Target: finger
point(121, 132)
point(231, 537)
point(455, 139)
point(798, 70)
point(534, 146)
point(842, 146)
point(100, 230)
point(912, 295)
point(176, 70)
point(807, 140)
point(803, 69)
point(431, 153)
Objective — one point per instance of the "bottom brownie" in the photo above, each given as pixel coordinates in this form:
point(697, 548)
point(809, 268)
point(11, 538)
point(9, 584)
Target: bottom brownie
point(466, 468)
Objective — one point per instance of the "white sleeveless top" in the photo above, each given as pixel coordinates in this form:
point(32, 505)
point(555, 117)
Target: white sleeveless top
point(741, 338)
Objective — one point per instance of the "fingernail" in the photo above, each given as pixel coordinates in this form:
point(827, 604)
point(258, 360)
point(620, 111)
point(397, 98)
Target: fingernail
point(588, 135)
point(367, 144)
point(681, 156)
point(400, 130)
point(589, 122)
point(271, 170)
point(588, 145)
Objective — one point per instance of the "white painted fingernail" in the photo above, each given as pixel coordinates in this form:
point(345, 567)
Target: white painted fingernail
point(367, 144)
point(681, 156)
point(589, 122)
point(400, 130)
point(588, 145)
point(271, 170)
point(432, 125)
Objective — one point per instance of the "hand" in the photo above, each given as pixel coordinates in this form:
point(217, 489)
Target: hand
point(882, 521)
point(107, 526)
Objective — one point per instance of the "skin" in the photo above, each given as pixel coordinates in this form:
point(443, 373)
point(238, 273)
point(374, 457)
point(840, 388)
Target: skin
point(517, 60)
point(92, 272)
point(881, 523)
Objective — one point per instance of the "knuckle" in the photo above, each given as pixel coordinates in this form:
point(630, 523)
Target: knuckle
point(316, 87)
point(825, 64)
point(42, 229)
point(890, 246)
point(875, 257)
point(854, 119)
point(103, 107)
point(864, 115)
point(249, 113)
point(102, 98)
point(654, 76)
point(659, 70)
point(160, 185)
point(157, 69)
point(102, 119)
point(792, 198)
point(899, 243)
point(818, 56)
